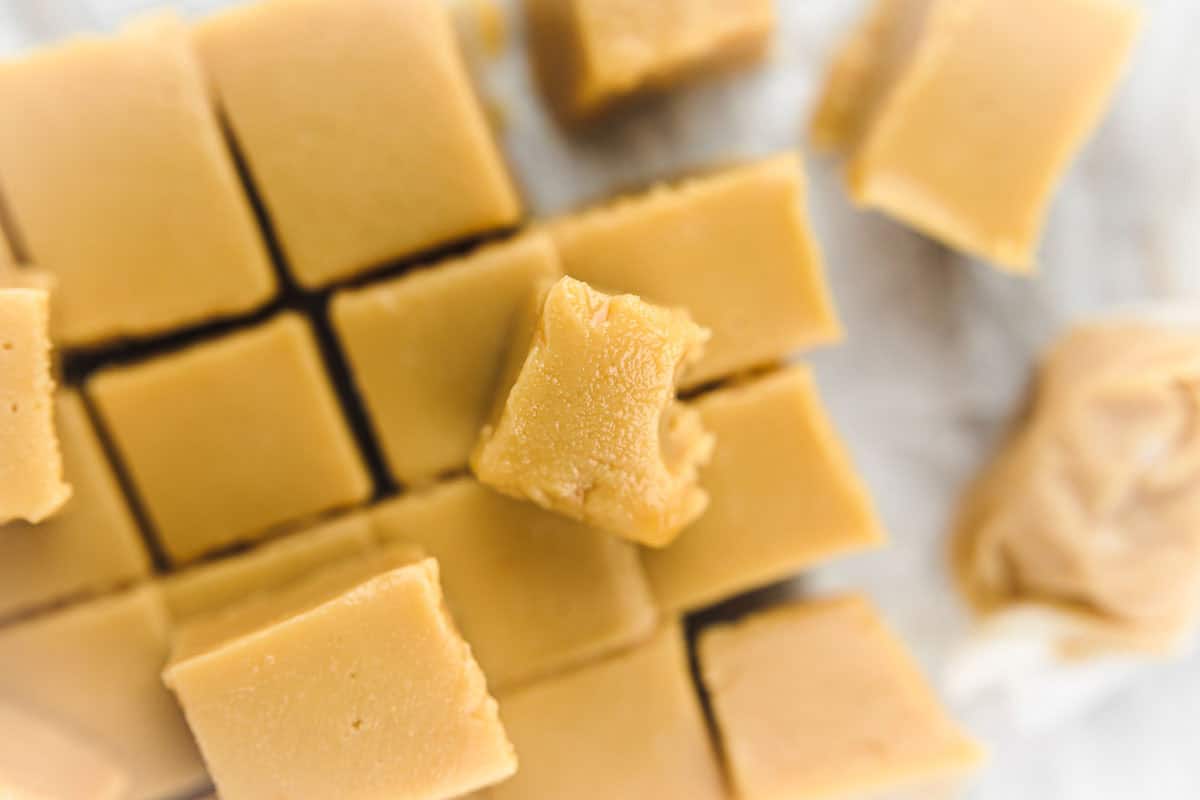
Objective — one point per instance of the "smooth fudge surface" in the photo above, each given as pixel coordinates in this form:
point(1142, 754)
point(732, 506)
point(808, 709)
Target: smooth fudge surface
point(231, 437)
point(734, 248)
point(94, 670)
point(947, 131)
point(128, 117)
point(427, 349)
point(43, 761)
point(360, 128)
point(91, 545)
point(820, 700)
point(533, 592)
point(354, 684)
point(31, 476)
point(586, 421)
point(784, 496)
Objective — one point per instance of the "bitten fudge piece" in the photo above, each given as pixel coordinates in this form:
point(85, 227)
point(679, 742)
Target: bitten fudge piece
point(232, 437)
point(94, 670)
point(628, 727)
point(590, 53)
point(735, 249)
point(31, 482)
point(821, 700)
point(43, 761)
point(92, 544)
point(89, 122)
point(360, 128)
point(427, 349)
point(352, 685)
point(586, 421)
point(950, 133)
point(784, 496)
point(532, 591)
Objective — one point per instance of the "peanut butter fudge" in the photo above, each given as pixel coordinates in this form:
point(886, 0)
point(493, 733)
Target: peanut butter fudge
point(42, 761)
point(360, 128)
point(590, 53)
point(949, 132)
point(233, 436)
point(94, 670)
point(352, 685)
point(821, 700)
point(426, 350)
point(31, 483)
point(95, 119)
point(734, 248)
point(533, 592)
point(785, 496)
point(92, 544)
point(586, 421)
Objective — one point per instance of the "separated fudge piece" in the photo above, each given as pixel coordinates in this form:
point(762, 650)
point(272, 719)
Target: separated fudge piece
point(92, 544)
point(427, 349)
point(533, 592)
point(42, 761)
point(31, 484)
point(591, 53)
point(128, 117)
point(784, 496)
point(94, 670)
point(586, 421)
point(352, 685)
point(360, 129)
point(232, 437)
point(949, 132)
point(821, 700)
point(734, 249)
point(628, 727)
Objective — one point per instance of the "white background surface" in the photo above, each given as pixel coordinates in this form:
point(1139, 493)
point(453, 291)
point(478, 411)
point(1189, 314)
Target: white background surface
point(939, 348)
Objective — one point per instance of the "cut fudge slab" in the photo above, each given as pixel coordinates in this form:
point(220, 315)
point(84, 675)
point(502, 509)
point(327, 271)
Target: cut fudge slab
point(31, 483)
point(784, 496)
point(586, 422)
point(950, 133)
point(128, 117)
point(42, 761)
point(628, 727)
point(360, 128)
point(532, 591)
point(821, 700)
point(92, 544)
point(735, 249)
point(427, 350)
point(94, 670)
point(590, 53)
point(232, 436)
point(354, 684)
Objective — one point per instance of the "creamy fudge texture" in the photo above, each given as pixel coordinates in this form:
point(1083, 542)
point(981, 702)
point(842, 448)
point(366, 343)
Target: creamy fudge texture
point(586, 421)
point(360, 128)
point(43, 761)
point(734, 248)
point(427, 350)
point(784, 496)
point(129, 117)
point(232, 436)
point(354, 684)
point(821, 700)
point(947, 131)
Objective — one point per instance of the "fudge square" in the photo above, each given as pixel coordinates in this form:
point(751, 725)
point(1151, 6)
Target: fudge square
point(950, 133)
point(785, 496)
point(586, 422)
point(353, 684)
point(532, 591)
point(427, 348)
point(735, 249)
point(40, 760)
point(94, 669)
point(360, 128)
point(231, 437)
point(128, 117)
point(821, 700)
